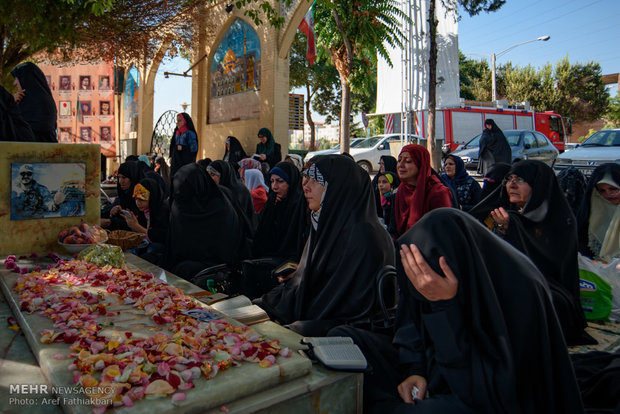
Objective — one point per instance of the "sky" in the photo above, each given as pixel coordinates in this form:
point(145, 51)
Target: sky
point(583, 30)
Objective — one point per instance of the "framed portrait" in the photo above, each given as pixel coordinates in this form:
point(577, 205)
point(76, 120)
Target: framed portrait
point(104, 108)
point(64, 83)
point(85, 84)
point(86, 134)
point(104, 82)
point(47, 190)
point(64, 108)
point(85, 108)
point(105, 133)
point(65, 135)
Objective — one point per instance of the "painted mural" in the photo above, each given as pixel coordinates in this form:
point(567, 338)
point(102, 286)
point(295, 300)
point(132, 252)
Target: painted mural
point(236, 63)
point(235, 75)
point(132, 95)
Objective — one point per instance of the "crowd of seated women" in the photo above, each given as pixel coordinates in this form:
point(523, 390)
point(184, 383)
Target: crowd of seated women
point(487, 278)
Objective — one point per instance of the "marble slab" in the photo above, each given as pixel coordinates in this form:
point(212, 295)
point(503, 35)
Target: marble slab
point(226, 387)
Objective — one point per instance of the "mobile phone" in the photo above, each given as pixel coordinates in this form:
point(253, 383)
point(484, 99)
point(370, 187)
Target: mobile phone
point(126, 213)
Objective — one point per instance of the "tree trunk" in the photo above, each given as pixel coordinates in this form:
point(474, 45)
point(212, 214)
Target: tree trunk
point(432, 85)
point(343, 60)
point(309, 118)
point(345, 113)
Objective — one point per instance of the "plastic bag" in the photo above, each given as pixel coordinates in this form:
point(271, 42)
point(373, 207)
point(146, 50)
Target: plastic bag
point(599, 284)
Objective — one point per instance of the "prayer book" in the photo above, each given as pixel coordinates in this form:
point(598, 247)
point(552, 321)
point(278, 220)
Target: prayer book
point(241, 309)
point(338, 353)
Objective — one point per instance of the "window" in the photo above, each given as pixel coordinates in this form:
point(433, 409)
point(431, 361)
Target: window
point(555, 125)
point(541, 139)
point(529, 140)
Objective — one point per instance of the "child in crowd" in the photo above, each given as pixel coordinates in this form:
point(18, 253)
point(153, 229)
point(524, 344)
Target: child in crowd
point(387, 183)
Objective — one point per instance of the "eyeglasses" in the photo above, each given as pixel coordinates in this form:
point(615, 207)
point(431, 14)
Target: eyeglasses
point(26, 174)
point(517, 180)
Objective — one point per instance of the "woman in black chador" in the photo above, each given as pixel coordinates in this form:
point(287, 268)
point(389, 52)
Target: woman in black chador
point(35, 101)
point(204, 227)
point(12, 124)
point(224, 175)
point(494, 147)
point(234, 152)
point(476, 329)
point(335, 281)
point(530, 212)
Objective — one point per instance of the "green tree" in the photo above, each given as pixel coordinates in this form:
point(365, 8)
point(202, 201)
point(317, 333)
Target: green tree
point(109, 29)
point(352, 32)
point(318, 80)
point(613, 111)
point(576, 90)
point(474, 79)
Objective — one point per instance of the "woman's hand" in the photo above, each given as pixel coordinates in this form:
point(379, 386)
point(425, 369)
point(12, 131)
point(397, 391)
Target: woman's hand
point(115, 210)
point(132, 222)
point(405, 387)
point(501, 217)
point(282, 279)
point(431, 285)
point(263, 157)
point(19, 95)
point(105, 222)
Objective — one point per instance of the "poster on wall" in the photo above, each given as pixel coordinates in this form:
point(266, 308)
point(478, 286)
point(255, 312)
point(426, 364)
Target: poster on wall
point(47, 190)
point(235, 75)
point(236, 63)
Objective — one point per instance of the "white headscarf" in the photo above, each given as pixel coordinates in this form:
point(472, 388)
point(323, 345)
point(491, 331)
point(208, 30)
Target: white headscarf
point(604, 224)
point(254, 179)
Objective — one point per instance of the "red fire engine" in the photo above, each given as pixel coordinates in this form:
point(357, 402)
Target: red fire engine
point(456, 126)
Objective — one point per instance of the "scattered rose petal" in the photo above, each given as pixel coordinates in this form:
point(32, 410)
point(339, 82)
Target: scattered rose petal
point(59, 356)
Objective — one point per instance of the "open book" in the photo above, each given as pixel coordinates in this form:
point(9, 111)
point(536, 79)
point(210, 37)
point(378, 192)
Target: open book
point(241, 309)
point(336, 352)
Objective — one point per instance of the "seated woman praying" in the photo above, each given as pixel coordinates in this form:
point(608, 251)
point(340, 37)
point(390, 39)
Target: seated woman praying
point(129, 174)
point(282, 229)
point(530, 212)
point(476, 331)
point(335, 281)
point(204, 227)
point(599, 216)
point(150, 200)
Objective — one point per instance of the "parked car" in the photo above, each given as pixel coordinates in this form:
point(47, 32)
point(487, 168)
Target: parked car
point(602, 147)
point(525, 145)
point(367, 151)
point(333, 150)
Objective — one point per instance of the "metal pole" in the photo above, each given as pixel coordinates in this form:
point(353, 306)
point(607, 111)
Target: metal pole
point(493, 85)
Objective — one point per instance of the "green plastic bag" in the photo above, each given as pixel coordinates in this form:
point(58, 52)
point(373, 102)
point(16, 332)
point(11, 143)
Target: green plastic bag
point(596, 296)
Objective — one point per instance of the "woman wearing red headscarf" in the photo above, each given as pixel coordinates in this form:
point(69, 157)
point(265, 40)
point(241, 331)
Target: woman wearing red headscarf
point(419, 192)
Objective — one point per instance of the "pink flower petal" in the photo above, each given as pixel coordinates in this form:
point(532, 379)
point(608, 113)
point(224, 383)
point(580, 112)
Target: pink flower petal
point(59, 356)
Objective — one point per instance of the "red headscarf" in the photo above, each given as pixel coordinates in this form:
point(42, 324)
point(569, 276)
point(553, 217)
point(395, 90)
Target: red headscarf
point(412, 202)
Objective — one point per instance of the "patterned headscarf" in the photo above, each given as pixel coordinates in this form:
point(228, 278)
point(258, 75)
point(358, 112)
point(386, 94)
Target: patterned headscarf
point(314, 173)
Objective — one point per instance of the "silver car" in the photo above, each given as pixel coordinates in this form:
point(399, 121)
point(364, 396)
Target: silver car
point(602, 147)
point(525, 145)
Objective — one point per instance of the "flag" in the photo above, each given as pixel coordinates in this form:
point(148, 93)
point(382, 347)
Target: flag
point(307, 27)
point(389, 123)
point(80, 117)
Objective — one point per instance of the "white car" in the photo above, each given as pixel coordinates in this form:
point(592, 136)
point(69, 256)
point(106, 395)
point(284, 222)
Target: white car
point(333, 150)
point(602, 147)
point(368, 152)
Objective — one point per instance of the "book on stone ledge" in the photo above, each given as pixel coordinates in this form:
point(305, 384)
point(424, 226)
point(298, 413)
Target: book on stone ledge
point(241, 309)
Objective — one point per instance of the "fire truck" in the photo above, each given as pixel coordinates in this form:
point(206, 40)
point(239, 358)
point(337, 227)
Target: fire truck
point(456, 126)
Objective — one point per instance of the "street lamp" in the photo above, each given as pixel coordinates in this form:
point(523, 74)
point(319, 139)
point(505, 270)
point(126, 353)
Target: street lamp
point(496, 55)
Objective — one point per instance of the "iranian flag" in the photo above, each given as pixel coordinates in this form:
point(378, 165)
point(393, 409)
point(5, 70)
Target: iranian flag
point(307, 27)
